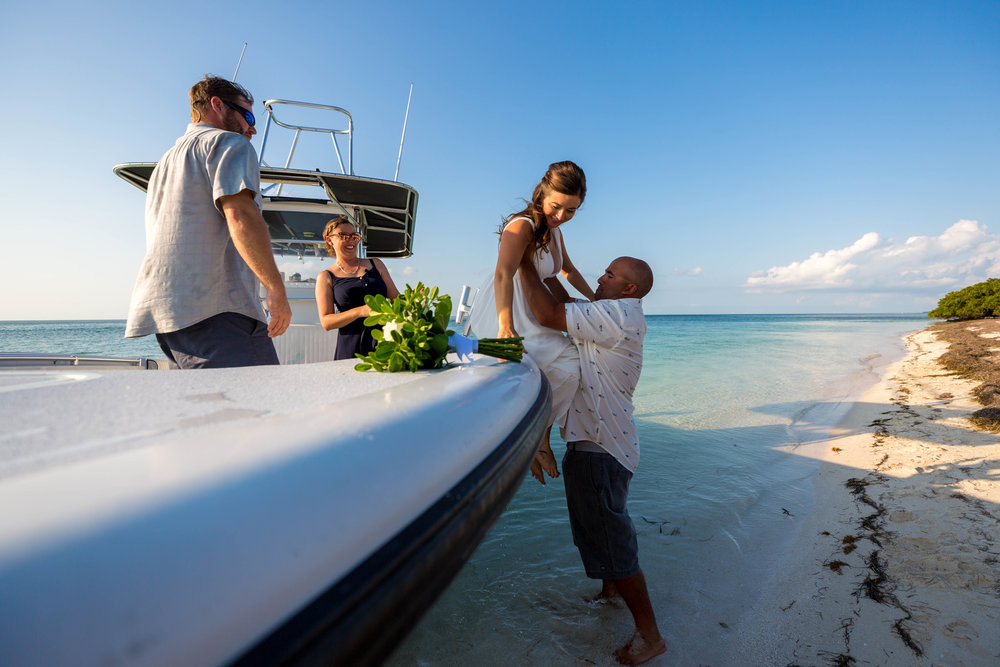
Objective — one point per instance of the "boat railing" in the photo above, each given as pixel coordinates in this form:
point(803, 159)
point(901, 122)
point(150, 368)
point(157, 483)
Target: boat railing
point(14, 360)
point(298, 129)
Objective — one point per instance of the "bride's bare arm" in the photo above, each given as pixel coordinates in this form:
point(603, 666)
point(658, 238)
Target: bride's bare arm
point(516, 238)
point(573, 275)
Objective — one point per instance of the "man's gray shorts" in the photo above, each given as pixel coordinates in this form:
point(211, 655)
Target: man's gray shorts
point(596, 495)
point(226, 340)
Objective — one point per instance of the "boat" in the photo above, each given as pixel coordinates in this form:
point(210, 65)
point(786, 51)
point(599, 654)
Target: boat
point(300, 513)
point(298, 202)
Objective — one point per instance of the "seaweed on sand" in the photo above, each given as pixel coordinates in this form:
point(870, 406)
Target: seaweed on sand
point(974, 356)
point(876, 586)
point(838, 659)
point(836, 565)
point(988, 419)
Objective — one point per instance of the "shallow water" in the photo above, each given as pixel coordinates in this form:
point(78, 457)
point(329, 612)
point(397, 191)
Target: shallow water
point(721, 405)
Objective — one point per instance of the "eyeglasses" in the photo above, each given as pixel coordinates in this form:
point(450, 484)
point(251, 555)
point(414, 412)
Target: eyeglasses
point(247, 115)
point(348, 237)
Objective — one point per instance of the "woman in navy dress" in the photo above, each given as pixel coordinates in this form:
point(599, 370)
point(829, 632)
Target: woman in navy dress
point(341, 289)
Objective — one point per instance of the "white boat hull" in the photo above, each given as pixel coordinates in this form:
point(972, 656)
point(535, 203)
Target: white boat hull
point(301, 513)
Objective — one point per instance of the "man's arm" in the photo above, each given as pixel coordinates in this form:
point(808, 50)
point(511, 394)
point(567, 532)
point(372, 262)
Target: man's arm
point(249, 233)
point(549, 312)
point(557, 289)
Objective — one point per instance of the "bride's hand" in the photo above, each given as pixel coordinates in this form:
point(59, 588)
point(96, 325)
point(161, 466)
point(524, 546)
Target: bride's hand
point(536, 471)
point(507, 332)
point(546, 460)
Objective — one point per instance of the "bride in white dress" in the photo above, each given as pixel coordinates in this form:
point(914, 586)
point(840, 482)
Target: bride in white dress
point(536, 229)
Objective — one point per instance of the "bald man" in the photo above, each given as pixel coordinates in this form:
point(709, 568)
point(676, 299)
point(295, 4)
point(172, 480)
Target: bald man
point(601, 439)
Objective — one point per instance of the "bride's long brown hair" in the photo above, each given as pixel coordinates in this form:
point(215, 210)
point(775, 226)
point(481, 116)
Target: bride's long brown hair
point(564, 177)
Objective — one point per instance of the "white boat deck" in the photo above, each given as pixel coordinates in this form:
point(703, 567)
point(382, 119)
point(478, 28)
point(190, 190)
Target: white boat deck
point(72, 414)
point(134, 499)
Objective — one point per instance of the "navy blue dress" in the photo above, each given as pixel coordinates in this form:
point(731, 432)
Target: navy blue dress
point(350, 293)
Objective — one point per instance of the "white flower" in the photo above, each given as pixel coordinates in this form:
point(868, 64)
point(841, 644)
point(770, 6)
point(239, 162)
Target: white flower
point(389, 327)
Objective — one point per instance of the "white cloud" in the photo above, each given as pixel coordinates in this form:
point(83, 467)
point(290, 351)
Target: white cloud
point(696, 271)
point(965, 253)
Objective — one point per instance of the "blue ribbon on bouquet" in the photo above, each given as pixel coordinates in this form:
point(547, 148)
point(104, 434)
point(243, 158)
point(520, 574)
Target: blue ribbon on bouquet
point(463, 346)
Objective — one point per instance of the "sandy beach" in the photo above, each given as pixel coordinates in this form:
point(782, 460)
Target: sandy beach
point(899, 562)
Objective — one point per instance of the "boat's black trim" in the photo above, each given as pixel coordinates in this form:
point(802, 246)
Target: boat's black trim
point(361, 618)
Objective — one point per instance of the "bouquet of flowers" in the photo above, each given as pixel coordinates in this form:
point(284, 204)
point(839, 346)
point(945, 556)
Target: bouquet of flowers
point(414, 333)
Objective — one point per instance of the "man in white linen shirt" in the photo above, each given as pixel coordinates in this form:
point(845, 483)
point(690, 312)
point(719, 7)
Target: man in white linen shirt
point(207, 243)
point(602, 448)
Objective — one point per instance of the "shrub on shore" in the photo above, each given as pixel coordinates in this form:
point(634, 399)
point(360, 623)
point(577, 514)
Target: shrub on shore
point(971, 303)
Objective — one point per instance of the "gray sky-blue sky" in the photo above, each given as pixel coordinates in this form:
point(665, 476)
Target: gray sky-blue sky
point(763, 156)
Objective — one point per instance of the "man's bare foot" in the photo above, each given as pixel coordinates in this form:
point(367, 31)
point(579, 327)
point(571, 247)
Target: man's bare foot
point(637, 650)
point(609, 594)
point(615, 602)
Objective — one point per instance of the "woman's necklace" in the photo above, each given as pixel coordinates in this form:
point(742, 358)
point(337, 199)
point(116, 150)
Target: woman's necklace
point(353, 273)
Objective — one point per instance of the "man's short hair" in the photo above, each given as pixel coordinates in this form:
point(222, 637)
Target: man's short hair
point(639, 273)
point(213, 86)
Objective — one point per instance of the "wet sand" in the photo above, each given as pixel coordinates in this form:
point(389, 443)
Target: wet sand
point(899, 561)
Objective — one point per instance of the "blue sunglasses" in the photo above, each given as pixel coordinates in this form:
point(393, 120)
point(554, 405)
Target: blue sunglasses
point(247, 115)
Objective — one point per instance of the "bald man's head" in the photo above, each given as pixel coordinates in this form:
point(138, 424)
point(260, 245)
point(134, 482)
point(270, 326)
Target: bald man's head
point(625, 278)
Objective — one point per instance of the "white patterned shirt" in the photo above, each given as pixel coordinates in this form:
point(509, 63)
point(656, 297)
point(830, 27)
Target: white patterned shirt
point(609, 334)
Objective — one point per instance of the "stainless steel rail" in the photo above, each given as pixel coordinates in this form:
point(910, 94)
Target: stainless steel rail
point(8, 361)
point(299, 129)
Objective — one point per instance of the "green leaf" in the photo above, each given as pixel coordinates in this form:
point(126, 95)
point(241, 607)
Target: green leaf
point(442, 312)
point(440, 344)
point(395, 363)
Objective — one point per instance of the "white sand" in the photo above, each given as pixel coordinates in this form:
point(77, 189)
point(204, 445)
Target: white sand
point(923, 518)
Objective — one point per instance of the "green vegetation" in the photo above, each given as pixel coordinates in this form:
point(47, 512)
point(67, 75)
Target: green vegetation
point(414, 333)
point(972, 303)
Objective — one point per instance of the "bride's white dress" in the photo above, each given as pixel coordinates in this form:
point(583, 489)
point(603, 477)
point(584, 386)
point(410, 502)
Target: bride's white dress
point(551, 350)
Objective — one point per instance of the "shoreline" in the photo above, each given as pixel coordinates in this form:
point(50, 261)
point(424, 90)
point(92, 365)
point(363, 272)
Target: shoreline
point(899, 561)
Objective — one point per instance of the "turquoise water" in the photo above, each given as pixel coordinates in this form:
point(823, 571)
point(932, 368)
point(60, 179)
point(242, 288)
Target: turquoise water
point(722, 405)
point(90, 337)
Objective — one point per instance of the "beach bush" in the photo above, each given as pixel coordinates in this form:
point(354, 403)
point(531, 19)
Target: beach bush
point(971, 303)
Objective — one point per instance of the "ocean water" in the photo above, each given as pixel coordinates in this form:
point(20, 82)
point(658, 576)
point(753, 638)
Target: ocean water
point(722, 406)
point(83, 337)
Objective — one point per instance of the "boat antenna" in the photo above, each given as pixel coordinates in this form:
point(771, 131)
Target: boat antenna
point(240, 61)
point(405, 118)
